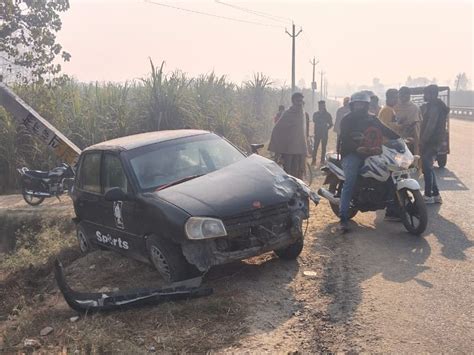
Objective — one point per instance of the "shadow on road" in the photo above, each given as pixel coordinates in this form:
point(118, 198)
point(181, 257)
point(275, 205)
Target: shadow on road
point(448, 181)
point(369, 250)
point(385, 249)
point(453, 240)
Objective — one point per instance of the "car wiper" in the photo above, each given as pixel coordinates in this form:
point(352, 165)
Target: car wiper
point(179, 181)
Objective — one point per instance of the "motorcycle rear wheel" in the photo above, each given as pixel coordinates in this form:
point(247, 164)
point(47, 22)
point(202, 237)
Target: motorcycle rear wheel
point(31, 200)
point(413, 209)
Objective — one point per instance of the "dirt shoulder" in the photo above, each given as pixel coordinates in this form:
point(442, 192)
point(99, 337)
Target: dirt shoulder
point(261, 304)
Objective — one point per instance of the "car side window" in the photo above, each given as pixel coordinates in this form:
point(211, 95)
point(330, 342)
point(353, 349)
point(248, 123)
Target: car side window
point(113, 174)
point(90, 173)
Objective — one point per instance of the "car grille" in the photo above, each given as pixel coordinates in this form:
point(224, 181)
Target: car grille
point(241, 224)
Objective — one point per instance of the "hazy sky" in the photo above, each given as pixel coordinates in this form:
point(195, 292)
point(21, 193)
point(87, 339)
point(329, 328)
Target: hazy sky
point(355, 41)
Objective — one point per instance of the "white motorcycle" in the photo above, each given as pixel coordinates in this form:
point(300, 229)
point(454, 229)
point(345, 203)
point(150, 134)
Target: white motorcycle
point(381, 179)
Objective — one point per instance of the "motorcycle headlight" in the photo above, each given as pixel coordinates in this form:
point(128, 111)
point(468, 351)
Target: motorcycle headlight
point(404, 160)
point(198, 228)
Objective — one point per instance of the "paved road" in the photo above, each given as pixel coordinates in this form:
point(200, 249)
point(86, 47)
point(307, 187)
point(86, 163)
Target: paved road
point(393, 292)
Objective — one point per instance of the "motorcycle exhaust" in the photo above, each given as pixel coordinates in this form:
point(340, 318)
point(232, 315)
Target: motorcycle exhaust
point(38, 194)
point(328, 196)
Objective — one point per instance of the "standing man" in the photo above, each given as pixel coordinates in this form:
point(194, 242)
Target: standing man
point(374, 107)
point(387, 113)
point(433, 131)
point(289, 137)
point(322, 123)
point(340, 113)
point(409, 118)
point(361, 135)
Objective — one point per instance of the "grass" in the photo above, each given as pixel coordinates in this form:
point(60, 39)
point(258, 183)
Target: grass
point(35, 239)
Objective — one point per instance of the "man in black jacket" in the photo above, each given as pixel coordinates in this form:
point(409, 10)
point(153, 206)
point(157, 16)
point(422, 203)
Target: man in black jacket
point(322, 123)
point(432, 133)
point(361, 135)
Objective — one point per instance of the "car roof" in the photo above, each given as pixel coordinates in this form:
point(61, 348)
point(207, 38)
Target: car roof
point(142, 139)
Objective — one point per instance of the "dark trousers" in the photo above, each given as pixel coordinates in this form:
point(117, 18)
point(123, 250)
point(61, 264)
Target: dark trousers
point(294, 165)
point(431, 187)
point(323, 139)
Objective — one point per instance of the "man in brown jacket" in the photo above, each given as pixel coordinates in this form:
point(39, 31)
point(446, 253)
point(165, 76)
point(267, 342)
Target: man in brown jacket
point(289, 137)
point(409, 118)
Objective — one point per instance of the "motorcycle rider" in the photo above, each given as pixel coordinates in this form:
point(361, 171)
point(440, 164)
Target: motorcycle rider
point(361, 136)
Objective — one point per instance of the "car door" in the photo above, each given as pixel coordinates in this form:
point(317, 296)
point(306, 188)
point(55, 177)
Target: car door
point(121, 231)
point(89, 192)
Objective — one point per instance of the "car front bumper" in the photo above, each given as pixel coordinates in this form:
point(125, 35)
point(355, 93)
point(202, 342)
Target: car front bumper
point(246, 239)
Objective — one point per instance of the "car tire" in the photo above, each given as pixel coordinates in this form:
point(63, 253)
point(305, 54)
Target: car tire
point(292, 251)
point(84, 243)
point(169, 261)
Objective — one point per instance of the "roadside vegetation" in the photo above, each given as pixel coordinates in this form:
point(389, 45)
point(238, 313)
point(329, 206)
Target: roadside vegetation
point(94, 112)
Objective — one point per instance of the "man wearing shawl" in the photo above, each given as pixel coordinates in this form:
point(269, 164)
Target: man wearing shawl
point(289, 137)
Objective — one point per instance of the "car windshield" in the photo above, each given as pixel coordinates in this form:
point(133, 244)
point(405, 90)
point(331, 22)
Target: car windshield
point(161, 164)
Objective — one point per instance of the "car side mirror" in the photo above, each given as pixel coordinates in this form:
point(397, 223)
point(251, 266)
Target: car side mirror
point(116, 194)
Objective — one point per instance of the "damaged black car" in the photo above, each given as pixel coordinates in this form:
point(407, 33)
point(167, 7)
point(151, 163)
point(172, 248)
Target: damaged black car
point(186, 200)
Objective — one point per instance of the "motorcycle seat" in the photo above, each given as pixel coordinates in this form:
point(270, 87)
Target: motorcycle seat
point(38, 174)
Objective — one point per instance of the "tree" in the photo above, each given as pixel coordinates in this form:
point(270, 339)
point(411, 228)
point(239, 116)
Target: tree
point(461, 82)
point(420, 81)
point(28, 36)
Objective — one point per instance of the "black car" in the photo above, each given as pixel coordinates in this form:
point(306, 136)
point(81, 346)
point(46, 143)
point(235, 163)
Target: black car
point(186, 200)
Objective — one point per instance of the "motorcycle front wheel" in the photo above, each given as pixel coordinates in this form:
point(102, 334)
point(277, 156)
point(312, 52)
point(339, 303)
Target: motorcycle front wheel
point(413, 210)
point(30, 199)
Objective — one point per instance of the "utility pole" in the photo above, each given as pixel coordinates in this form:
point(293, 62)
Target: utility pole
point(293, 37)
point(321, 89)
point(313, 83)
point(325, 87)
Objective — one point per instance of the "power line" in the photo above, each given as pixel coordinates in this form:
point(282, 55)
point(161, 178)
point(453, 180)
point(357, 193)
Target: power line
point(257, 13)
point(211, 15)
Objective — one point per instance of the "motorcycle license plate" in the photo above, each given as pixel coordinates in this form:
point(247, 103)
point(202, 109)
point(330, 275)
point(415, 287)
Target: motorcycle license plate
point(400, 173)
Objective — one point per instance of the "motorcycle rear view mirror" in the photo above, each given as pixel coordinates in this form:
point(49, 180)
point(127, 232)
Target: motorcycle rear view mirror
point(116, 194)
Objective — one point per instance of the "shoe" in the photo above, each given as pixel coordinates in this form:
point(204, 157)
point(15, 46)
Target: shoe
point(344, 227)
point(438, 199)
point(392, 218)
point(429, 200)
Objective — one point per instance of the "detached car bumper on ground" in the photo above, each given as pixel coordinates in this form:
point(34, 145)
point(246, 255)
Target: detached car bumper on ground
point(185, 201)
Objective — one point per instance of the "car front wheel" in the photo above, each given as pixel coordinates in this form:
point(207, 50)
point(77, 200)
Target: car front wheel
point(169, 260)
point(292, 251)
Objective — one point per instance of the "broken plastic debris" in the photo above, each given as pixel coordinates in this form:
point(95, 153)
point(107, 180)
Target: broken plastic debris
point(106, 301)
point(46, 330)
point(31, 343)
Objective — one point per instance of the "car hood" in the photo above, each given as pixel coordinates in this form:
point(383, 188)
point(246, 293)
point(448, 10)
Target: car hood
point(253, 182)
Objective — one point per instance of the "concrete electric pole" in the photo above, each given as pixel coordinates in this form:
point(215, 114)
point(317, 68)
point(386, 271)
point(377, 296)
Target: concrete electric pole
point(293, 36)
point(314, 85)
point(321, 88)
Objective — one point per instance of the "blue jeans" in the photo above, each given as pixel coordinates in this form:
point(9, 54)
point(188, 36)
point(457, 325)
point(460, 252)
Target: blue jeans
point(431, 187)
point(351, 165)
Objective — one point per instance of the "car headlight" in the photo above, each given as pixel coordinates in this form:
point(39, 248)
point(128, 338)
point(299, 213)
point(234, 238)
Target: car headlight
point(203, 228)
